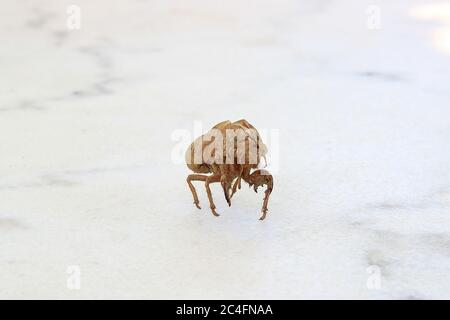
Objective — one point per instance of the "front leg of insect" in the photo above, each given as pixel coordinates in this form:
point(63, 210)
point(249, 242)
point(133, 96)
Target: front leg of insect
point(236, 185)
point(237, 182)
point(260, 178)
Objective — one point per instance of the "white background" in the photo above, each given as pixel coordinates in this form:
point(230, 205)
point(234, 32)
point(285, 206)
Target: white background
point(87, 178)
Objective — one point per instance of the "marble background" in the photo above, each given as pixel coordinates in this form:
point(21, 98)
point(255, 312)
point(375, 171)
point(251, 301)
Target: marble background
point(87, 178)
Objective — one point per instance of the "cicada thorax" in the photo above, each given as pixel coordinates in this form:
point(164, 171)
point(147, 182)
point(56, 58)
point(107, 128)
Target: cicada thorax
point(227, 143)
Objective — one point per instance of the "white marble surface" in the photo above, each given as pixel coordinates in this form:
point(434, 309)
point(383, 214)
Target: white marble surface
point(86, 118)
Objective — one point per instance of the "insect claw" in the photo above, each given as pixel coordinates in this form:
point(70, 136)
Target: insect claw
point(214, 212)
point(197, 205)
point(264, 213)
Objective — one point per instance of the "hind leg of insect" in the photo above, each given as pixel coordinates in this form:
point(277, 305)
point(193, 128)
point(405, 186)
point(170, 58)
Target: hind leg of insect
point(195, 177)
point(211, 179)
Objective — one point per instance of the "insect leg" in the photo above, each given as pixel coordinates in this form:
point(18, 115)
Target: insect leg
point(237, 182)
point(195, 177)
point(211, 179)
point(260, 178)
point(235, 186)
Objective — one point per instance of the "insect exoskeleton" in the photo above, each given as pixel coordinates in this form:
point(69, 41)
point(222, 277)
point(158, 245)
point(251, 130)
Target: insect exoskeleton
point(228, 153)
